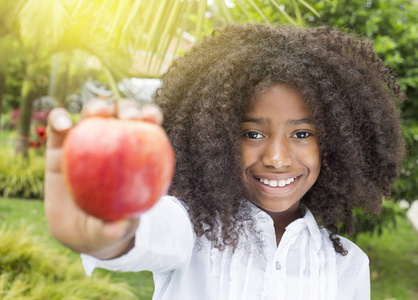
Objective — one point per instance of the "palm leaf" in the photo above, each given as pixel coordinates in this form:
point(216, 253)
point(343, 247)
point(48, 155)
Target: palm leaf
point(151, 26)
point(242, 7)
point(42, 24)
point(224, 10)
point(283, 12)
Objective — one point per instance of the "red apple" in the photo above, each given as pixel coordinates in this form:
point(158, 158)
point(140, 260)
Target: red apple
point(116, 169)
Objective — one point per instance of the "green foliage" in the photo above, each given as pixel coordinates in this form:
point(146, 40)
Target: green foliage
point(407, 186)
point(375, 224)
point(20, 177)
point(393, 28)
point(14, 71)
point(31, 270)
point(5, 121)
point(14, 210)
point(393, 261)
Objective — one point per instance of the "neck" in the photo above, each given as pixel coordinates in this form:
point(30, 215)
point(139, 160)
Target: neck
point(282, 219)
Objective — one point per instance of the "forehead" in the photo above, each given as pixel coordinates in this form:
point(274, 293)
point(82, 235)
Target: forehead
point(279, 102)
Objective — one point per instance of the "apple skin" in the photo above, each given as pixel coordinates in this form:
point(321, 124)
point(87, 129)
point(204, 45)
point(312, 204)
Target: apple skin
point(117, 169)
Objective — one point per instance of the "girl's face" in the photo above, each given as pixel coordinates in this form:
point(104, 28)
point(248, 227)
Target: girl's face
point(280, 149)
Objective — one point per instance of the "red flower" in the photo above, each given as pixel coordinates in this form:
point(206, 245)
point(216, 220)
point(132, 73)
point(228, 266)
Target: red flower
point(34, 144)
point(38, 137)
point(41, 131)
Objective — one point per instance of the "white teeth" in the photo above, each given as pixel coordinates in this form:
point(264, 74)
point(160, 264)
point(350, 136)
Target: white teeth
point(275, 183)
point(290, 180)
point(282, 183)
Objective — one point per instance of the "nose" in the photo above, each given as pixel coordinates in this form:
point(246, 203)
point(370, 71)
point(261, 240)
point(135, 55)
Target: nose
point(277, 154)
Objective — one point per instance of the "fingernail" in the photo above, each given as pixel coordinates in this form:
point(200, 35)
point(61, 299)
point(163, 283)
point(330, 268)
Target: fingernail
point(130, 114)
point(62, 123)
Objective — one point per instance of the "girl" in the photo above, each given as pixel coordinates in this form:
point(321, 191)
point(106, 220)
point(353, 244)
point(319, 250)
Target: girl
point(271, 127)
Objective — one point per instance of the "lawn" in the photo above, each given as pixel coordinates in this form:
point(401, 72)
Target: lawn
point(393, 255)
point(17, 214)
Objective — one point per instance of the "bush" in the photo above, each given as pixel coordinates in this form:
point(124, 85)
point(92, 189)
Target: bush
point(31, 270)
point(376, 224)
point(6, 121)
point(20, 177)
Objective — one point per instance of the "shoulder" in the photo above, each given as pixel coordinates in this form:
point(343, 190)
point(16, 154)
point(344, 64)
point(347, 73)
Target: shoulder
point(353, 272)
point(354, 252)
point(354, 263)
point(168, 203)
point(161, 217)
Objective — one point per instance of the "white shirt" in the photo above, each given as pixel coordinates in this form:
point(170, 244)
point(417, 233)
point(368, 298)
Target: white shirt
point(303, 266)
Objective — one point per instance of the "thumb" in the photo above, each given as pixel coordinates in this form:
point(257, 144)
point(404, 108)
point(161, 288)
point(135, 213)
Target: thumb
point(59, 122)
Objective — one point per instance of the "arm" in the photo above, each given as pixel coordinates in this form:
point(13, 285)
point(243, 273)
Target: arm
point(69, 224)
point(163, 242)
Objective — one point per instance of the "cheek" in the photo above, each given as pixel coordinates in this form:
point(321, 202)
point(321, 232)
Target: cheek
point(312, 159)
point(247, 156)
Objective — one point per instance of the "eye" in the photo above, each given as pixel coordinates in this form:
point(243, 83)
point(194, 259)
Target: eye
point(252, 135)
point(302, 134)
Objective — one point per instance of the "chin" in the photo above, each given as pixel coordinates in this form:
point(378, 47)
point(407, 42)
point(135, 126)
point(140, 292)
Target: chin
point(276, 208)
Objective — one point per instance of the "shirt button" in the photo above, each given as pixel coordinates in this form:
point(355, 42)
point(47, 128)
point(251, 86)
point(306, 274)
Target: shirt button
point(263, 219)
point(278, 266)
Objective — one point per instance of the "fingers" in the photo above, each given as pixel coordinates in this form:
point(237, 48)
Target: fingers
point(96, 108)
point(125, 109)
point(110, 239)
point(152, 113)
point(59, 122)
point(128, 109)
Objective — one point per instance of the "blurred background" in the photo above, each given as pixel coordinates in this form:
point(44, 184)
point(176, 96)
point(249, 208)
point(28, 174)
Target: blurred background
point(61, 53)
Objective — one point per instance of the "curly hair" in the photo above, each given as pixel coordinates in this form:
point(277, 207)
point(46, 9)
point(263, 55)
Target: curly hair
point(353, 98)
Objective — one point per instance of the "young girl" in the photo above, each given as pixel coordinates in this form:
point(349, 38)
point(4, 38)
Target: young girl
point(271, 127)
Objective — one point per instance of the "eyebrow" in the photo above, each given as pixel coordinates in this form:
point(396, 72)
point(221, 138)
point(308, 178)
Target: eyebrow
point(292, 122)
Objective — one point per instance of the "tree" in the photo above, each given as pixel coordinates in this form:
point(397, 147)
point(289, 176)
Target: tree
point(5, 51)
point(43, 28)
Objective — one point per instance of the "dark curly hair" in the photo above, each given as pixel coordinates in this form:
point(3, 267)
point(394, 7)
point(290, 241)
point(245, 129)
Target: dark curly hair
point(353, 97)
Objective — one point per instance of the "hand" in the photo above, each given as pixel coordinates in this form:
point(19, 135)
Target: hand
point(67, 222)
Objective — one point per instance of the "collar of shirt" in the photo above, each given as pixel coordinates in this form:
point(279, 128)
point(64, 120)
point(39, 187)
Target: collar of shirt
point(294, 228)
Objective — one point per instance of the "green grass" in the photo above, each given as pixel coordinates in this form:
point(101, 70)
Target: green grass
point(18, 214)
point(393, 255)
point(393, 261)
point(29, 270)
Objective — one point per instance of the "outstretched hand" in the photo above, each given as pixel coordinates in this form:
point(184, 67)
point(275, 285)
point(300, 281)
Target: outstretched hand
point(70, 225)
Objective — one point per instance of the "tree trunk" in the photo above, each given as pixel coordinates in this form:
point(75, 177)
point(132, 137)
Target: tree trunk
point(54, 75)
point(25, 115)
point(2, 90)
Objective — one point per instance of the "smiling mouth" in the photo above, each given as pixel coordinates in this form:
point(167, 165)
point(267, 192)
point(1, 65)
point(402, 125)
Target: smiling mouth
point(276, 183)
